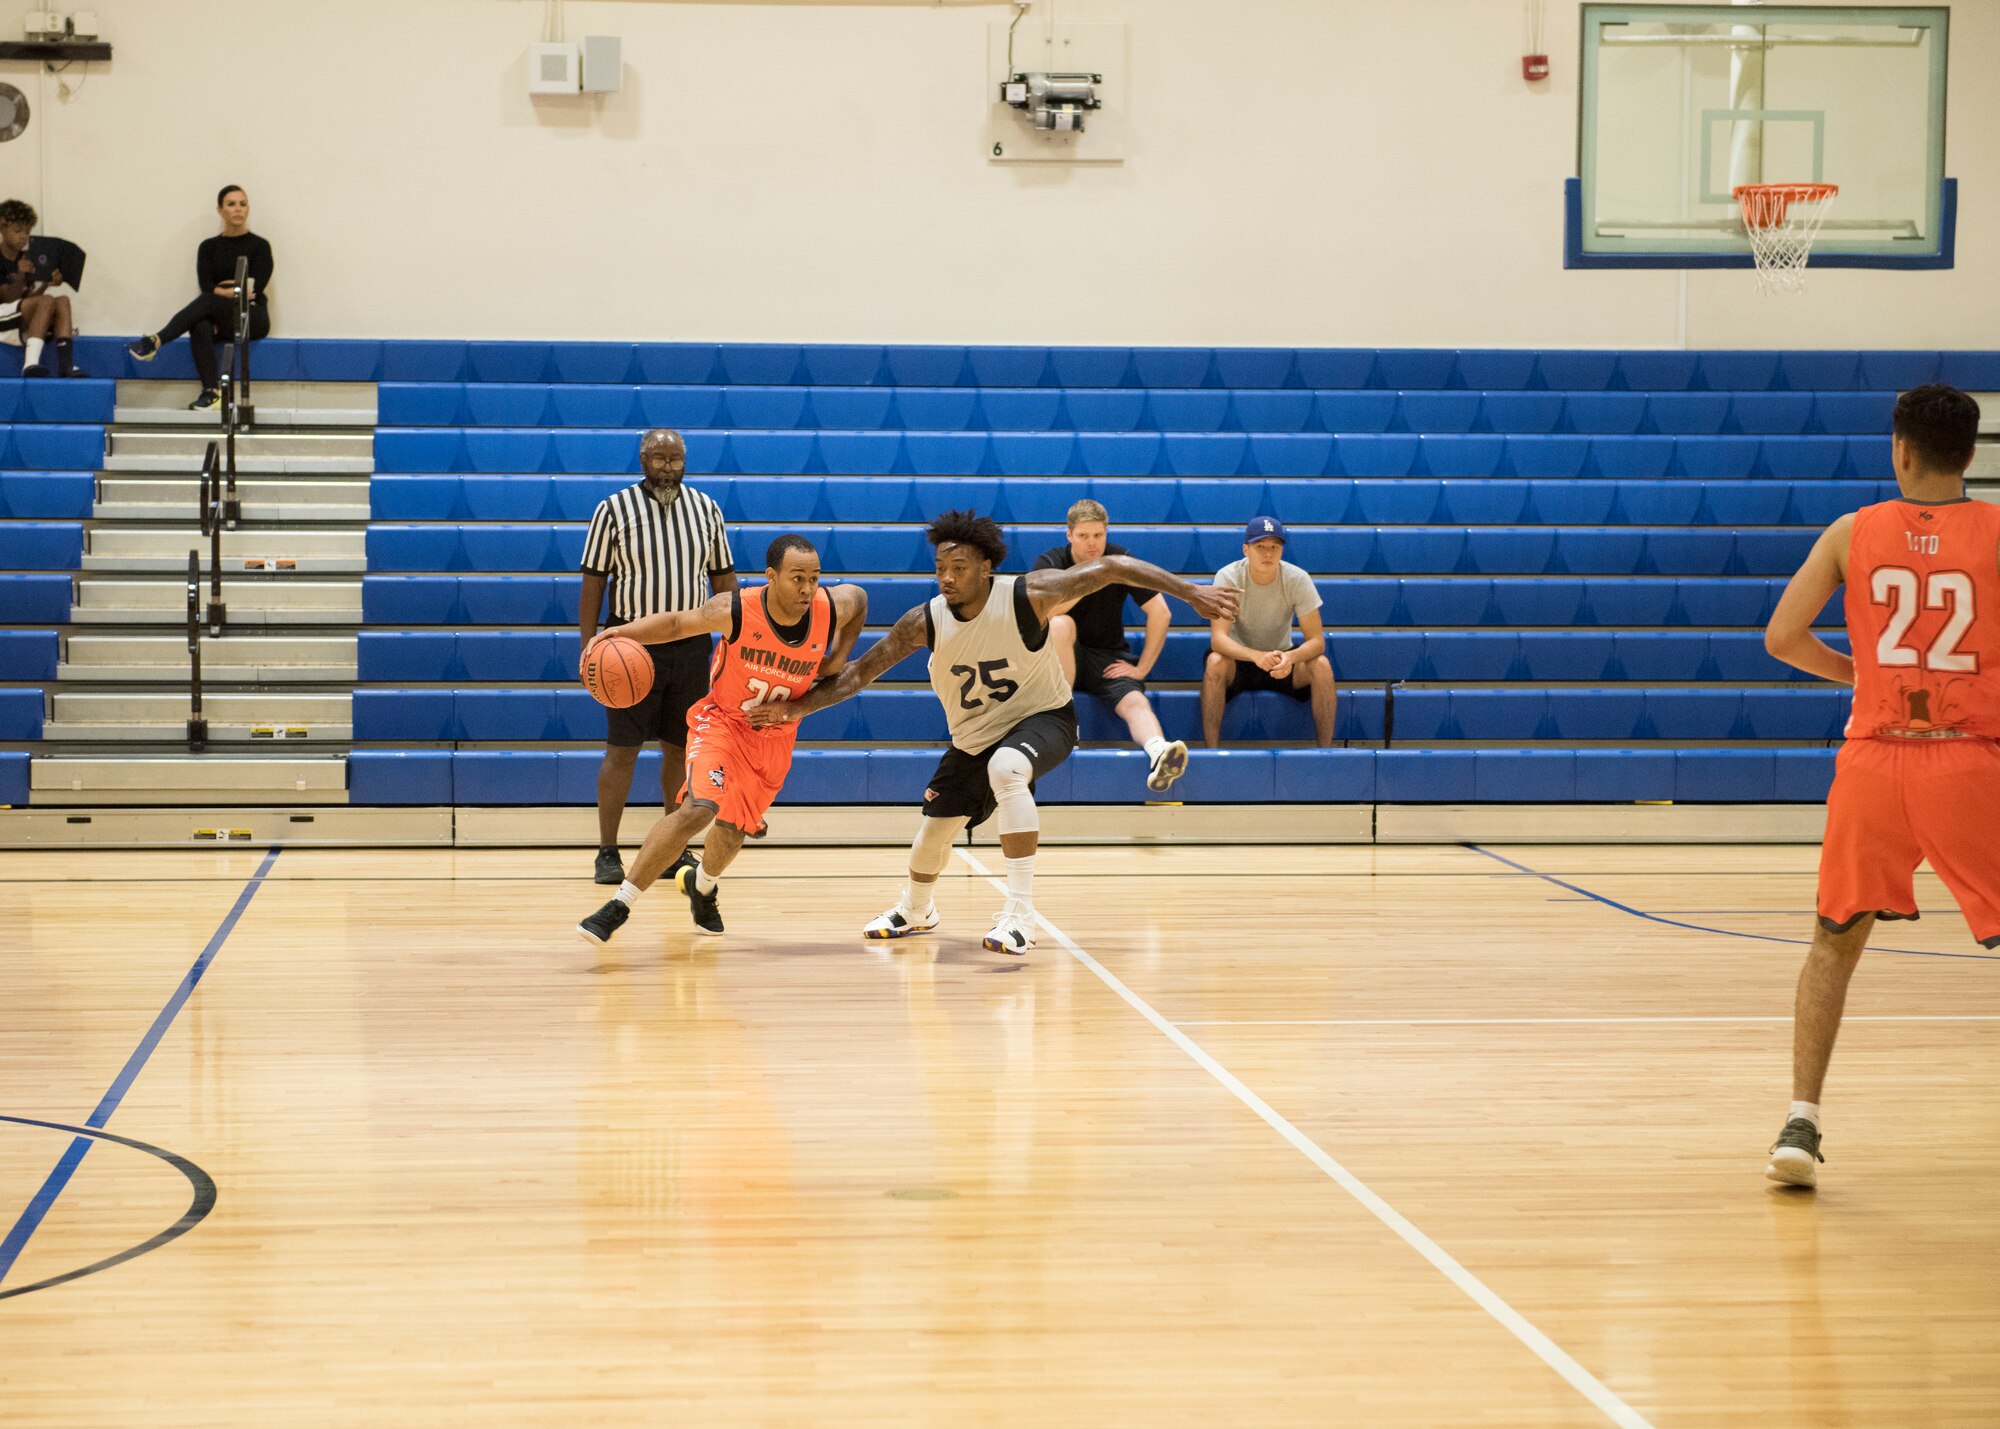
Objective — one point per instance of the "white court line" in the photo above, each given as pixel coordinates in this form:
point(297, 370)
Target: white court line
point(1516, 1324)
point(1543, 1021)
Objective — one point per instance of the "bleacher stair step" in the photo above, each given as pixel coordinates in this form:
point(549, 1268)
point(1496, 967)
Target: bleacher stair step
point(232, 659)
point(169, 498)
point(104, 600)
point(191, 779)
point(254, 717)
point(277, 404)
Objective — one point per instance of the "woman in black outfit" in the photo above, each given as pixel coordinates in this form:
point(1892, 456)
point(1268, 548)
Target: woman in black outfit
point(211, 318)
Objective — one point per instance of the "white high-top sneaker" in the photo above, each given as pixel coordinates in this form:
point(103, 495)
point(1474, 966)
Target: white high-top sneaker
point(901, 922)
point(1012, 932)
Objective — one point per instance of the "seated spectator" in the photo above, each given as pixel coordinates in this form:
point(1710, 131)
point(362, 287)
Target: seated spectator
point(1256, 652)
point(210, 320)
point(30, 312)
point(1089, 636)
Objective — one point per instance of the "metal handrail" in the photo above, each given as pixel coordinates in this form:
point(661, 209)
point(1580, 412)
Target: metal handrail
point(197, 725)
point(237, 410)
point(211, 527)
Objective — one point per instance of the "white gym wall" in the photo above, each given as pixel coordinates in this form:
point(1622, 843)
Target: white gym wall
point(1326, 172)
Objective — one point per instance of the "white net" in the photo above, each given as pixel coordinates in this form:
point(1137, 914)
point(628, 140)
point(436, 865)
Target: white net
point(1782, 220)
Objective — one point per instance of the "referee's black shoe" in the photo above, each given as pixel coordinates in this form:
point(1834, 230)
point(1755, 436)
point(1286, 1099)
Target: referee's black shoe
point(609, 869)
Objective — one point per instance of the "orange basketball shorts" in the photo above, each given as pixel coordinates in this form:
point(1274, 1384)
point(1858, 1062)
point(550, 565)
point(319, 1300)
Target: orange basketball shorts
point(734, 769)
point(1897, 802)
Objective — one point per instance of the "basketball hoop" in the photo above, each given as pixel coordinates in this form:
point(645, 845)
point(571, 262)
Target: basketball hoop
point(1782, 221)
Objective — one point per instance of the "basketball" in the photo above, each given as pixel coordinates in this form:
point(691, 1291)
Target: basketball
point(617, 672)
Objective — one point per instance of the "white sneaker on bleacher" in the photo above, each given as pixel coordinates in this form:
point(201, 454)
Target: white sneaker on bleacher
point(1171, 764)
point(901, 922)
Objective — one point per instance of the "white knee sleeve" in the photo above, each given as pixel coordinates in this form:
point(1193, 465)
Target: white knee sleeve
point(1009, 771)
point(931, 850)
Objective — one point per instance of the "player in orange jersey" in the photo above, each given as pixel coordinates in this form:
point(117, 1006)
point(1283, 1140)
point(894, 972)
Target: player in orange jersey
point(1919, 775)
point(778, 640)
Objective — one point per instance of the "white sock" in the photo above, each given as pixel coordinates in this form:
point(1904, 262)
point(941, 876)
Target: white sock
point(628, 893)
point(1021, 886)
point(917, 896)
point(1155, 747)
point(31, 352)
point(1808, 1110)
point(704, 881)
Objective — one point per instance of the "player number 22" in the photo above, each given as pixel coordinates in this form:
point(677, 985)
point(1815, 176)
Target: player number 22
point(1896, 587)
point(764, 693)
point(987, 674)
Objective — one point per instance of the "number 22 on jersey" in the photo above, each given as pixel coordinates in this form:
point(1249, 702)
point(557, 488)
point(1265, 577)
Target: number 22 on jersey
point(1900, 589)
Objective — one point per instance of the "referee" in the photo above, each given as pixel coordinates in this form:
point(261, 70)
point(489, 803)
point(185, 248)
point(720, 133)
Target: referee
point(661, 547)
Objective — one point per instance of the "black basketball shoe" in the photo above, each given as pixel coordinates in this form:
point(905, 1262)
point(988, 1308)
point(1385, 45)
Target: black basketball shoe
point(706, 908)
point(609, 869)
point(599, 926)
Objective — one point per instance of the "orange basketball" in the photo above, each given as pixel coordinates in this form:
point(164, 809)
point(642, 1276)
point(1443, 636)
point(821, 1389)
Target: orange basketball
point(617, 672)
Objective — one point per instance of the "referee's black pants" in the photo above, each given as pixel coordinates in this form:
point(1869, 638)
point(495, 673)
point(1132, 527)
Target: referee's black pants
point(208, 320)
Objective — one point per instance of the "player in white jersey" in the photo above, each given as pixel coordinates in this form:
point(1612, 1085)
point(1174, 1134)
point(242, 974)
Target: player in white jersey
point(1005, 700)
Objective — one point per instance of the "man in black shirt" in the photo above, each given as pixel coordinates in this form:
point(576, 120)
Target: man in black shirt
point(1089, 637)
point(211, 318)
point(30, 311)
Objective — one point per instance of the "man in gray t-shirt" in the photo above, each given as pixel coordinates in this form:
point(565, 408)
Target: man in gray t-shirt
point(1255, 651)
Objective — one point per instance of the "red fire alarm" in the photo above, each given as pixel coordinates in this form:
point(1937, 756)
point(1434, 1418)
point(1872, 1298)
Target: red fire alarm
point(1534, 67)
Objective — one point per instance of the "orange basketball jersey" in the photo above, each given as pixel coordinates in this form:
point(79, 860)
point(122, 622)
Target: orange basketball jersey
point(757, 665)
point(1923, 612)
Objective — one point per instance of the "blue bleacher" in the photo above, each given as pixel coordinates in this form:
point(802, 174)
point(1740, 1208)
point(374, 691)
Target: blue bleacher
point(1064, 412)
point(836, 776)
point(1135, 500)
point(47, 495)
point(1440, 550)
point(403, 600)
point(1571, 552)
point(1142, 368)
point(580, 451)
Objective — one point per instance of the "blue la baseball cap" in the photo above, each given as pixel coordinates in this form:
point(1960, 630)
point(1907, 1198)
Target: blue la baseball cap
point(1262, 528)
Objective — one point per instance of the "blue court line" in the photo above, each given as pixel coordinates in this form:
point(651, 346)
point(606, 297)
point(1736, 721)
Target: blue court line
point(1702, 927)
point(38, 1208)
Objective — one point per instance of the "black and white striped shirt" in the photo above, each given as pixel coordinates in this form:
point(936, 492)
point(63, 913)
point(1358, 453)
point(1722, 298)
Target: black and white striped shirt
point(657, 555)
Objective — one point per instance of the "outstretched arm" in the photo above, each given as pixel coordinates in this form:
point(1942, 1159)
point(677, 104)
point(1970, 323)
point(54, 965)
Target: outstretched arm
point(904, 638)
point(850, 613)
point(712, 615)
point(1049, 590)
point(1789, 637)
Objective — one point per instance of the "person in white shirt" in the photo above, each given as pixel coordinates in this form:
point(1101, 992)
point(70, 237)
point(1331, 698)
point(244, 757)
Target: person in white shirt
point(1255, 650)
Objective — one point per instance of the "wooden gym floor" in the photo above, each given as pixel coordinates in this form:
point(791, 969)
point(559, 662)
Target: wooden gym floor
point(1376, 1136)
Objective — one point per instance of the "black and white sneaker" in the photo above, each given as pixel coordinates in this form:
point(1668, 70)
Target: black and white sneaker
point(144, 350)
point(35, 369)
point(901, 922)
point(1795, 1158)
point(609, 869)
point(1012, 932)
point(706, 908)
point(599, 926)
point(208, 401)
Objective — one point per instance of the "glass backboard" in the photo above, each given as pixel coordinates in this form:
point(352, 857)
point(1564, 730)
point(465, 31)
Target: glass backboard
point(1681, 103)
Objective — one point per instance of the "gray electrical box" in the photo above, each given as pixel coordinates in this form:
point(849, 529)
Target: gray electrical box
point(603, 64)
